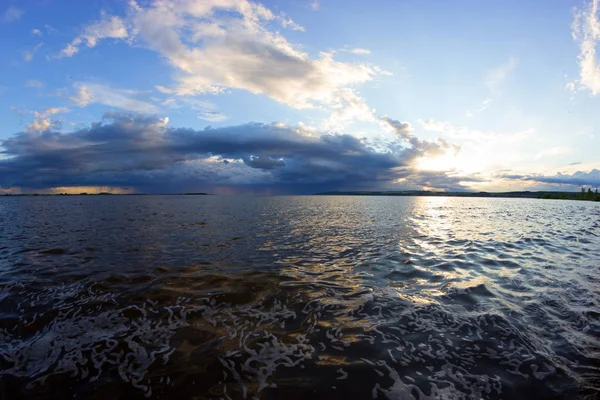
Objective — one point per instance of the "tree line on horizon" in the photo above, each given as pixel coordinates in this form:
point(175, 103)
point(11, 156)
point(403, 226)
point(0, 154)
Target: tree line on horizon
point(587, 195)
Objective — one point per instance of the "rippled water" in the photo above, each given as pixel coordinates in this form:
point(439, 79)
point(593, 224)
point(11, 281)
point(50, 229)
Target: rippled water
point(299, 297)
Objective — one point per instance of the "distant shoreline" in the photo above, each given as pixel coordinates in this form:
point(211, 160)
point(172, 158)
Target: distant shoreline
point(589, 196)
point(586, 196)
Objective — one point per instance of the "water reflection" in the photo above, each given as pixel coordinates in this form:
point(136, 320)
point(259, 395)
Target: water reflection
point(298, 297)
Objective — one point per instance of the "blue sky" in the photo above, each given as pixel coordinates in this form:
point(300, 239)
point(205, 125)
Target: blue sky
point(234, 96)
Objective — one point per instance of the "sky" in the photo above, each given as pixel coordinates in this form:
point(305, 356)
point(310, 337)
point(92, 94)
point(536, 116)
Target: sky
point(298, 96)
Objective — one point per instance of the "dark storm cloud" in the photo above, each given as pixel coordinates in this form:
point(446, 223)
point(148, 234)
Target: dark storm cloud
point(579, 178)
point(440, 180)
point(263, 162)
point(142, 152)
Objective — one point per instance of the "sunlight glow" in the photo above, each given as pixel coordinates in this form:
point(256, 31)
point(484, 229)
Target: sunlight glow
point(91, 190)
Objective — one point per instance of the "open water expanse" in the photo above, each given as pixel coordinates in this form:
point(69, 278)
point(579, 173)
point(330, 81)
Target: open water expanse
point(208, 297)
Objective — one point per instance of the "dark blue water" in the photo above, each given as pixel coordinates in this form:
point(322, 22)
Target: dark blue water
point(298, 297)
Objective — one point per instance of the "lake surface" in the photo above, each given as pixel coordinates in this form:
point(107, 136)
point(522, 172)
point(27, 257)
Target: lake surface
point(121, 297)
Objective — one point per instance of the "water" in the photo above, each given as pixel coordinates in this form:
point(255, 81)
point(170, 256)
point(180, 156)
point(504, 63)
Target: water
point(298, 297)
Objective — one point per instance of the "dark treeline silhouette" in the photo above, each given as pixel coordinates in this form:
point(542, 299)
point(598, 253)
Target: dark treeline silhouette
point(588, 195)
point(584, 195)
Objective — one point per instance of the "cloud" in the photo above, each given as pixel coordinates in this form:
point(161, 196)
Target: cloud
point(49, 112)
point(497, 76)
point(28, 55)
point(89, 93)
point(205, 110)
point(50, 29)
point(33, 83)
point(263, 162)
point(359, 51)
point(554, 151)
point(17, 111)
point(439, 180)
point(577, 179)
point(218, 45)
point(570, 86)
point(141, 151)
point(402, 129)
point(42, 125)
point(485, 104)
point(420, 147)
point(242, 54)
point(36, 32)
point(314, 5)
point(436, 126)
point(212, 116)
point(586, 31)
point(110, 27)
point(467, 134)
point(289, 23)
point(42, 121)
point(82, 97)
point(494, 79)
point(347, 107)
point(11, 14)
point(482, 150)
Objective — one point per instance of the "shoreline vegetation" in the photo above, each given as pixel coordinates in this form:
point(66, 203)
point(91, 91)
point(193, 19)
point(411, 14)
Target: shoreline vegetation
point(588, 195)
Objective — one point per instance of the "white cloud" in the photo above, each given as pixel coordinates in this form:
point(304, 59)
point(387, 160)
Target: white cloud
point(48, 112)
point(42, 120)
point(360, 51)
point(110, 27)
point(289, 23)
point(436, 126)
point(586, 31)
point(41, 125)
point(36, 32)
point(494, 80)
point(485, 104)
point(482, 150)
point(33, 83)
point(163, 89)
point(205, 110)
point(218, 45)
point(347, 107)
point(89, 93)
point(496, 77)
point(82, 97)
point(314, 5)
point(50, 29)
point(11, 14)
point(212, 116)
point(244, 54)
point(28, 55)
point(451, 131)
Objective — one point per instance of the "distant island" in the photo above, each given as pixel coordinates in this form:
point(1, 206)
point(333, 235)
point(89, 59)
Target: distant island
point(588, 195)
